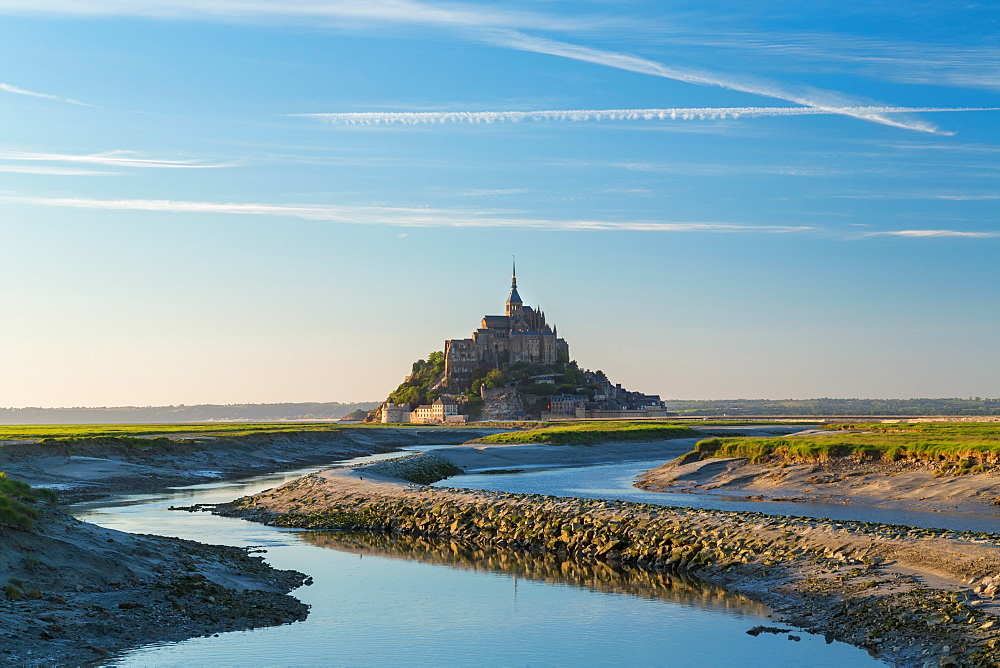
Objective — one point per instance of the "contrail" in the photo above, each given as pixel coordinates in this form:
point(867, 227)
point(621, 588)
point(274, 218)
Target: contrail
point(582, 115)
point(8, 88)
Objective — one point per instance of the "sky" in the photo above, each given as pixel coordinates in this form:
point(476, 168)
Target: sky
point(239, 201)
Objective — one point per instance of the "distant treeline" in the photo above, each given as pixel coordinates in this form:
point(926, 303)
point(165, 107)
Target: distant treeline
point(167, 414)
point(954, 406)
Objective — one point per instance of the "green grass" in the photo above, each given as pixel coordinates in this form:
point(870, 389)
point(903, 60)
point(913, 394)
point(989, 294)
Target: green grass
point(64, 431)
point(960, 447)
point(590, 433)
point(17, 500)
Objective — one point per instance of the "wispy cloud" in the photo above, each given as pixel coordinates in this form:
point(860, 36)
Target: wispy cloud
point(49, 170)
point(920, 195)
point(450, 218)
point(804, 95)
point(935, 234)
point(8, 88)
point(332, 12)
point(492, 192)
point(583, 115)
point(108, 158)
point(966, 65)
point(402, 216)
point(487, 24)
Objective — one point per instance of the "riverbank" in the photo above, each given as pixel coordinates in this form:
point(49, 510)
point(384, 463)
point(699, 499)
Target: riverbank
point(94, 468)
point(76, 593)
point(935, 467)
point(902, 484)
point(492, 453)
point(905, 595)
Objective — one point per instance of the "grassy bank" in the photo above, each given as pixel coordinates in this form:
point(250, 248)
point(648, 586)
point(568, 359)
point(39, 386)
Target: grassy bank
point(212, 429)
point(18, 503)
point(957, 447)
point(71, 431)
point(591, 433)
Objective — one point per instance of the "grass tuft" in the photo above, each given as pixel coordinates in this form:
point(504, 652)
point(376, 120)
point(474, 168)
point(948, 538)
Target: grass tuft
point(16, 500)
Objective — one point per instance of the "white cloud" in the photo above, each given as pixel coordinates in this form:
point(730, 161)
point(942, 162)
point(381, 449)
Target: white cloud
point(8, 88)
point(492, 192)
point(48, 170)
point(332, 12)
point(583, 115)
point(805, 95)
point(920, 195)
point(500, 27)
point(398, 216)
point(934, 234)
point(966, 65)
point(109, 158)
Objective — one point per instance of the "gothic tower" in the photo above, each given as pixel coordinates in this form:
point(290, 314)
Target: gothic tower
point(514, 303)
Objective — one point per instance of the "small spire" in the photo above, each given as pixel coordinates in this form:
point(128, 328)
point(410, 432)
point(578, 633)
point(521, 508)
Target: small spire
point(513, 276)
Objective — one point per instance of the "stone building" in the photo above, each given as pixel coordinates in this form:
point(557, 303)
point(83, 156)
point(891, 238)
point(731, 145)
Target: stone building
point(568, 405)
point(520, 335)
point(393, 413)
point(441, 411)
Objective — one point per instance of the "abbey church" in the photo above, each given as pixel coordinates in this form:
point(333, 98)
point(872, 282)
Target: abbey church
point(520, 335)
point(514, 367)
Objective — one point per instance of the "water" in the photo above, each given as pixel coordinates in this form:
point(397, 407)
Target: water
point(614, 481)
point(377, 601)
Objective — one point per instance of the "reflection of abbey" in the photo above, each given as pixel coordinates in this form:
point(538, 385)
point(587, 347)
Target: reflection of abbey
point(521, 335)
point(515, 366)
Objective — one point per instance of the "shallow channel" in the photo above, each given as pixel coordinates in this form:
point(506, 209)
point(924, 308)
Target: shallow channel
point(377, 601)
point(614, 481)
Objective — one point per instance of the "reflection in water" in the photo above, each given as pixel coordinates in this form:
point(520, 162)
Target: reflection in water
point(549, 568)
point(380, 601)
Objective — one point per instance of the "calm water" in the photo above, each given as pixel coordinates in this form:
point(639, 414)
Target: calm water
point(382, 601)
point(614, 481)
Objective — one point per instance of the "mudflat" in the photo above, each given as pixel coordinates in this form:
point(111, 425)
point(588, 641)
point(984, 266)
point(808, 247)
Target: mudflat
point(884, 484)
point(96, 468)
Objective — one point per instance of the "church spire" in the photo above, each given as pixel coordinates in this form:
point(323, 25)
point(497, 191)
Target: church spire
point(514, 302)
point(513, 273)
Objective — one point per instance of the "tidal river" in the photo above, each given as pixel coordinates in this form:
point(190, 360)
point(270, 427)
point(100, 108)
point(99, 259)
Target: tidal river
point(385, 601)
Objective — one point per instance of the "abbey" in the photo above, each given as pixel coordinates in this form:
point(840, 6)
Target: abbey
point(520, 335)
point(514, 367)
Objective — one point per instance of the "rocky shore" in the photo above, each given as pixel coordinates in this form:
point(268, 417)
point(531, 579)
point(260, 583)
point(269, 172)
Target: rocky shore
point(75, 593)
point(906, 595)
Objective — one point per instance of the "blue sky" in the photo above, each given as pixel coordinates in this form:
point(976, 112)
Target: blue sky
point(247, 201)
